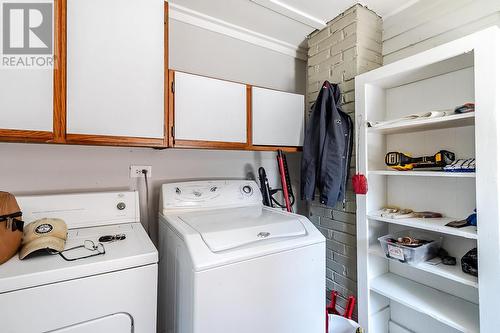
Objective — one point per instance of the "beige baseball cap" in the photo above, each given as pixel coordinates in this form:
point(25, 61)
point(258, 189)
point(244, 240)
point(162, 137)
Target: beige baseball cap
point(43, 234)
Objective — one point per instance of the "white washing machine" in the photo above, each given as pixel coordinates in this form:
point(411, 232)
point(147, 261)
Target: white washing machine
point(228, 264)
point(115, 292)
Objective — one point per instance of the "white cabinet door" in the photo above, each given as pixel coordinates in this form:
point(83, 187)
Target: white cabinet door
point(26, 99)
point(277, 118)
point(115, 67)
point(209, 109)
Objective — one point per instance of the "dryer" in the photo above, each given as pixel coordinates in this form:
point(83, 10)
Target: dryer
point(230, 264)
point(114, 293)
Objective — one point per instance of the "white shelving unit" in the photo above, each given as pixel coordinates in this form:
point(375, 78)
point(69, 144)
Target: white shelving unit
point(435, 225)
point(422, 173)
point(450, 272)
point(456, 120)
point(445, 308)
point(397, 297)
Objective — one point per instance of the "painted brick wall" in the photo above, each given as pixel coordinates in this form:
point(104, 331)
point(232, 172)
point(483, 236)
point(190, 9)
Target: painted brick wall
point(350, 45)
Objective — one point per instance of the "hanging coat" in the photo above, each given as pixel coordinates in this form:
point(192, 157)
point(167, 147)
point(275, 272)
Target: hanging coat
point(327, 151)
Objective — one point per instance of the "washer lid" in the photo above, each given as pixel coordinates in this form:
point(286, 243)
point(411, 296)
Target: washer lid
point(227, 229)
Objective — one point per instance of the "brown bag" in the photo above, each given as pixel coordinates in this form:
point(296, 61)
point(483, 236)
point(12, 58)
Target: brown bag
point(11, 226)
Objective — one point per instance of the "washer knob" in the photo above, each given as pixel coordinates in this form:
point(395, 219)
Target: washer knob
point(263, 234)
point(247, 189)
point(121, 206)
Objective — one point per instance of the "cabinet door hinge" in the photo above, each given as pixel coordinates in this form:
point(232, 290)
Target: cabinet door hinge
point(173, 87)
point(172, 133)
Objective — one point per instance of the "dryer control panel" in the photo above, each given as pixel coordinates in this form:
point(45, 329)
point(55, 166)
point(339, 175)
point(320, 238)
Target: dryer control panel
point(80, 210)
point(210, 194)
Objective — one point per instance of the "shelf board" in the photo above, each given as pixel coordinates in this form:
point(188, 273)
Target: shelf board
point(431, 224)
point(423, 173)
point(395, 328)
point(454, 273)
point(426, 124)
point(445, 308)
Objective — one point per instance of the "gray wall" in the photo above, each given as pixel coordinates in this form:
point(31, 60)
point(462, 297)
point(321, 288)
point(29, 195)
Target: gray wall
point(200, 51)
point(35, 168)
point(350, 45)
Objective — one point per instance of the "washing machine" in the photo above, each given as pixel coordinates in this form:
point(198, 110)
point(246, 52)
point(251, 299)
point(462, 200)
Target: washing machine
point(115, 292)
point(228, 264)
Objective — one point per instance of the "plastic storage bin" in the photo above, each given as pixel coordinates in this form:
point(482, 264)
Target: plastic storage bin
point(407, 254)
point(339, 324)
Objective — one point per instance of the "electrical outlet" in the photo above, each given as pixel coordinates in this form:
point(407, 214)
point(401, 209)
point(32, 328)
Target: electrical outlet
point(136, 171)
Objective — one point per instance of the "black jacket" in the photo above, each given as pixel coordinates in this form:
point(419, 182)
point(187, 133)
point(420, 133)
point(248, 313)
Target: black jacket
point(326, 156)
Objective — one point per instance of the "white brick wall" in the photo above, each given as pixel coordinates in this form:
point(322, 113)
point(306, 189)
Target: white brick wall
point(350, 45)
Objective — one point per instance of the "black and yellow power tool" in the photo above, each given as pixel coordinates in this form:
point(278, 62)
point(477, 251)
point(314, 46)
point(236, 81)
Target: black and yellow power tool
point(402, 161)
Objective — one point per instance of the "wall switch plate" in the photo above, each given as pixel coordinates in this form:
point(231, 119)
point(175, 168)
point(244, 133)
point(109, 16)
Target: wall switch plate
point(136, 171)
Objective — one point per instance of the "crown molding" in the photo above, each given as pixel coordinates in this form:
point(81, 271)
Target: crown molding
point(189, 16)
point(400, 9)
point(292, 13)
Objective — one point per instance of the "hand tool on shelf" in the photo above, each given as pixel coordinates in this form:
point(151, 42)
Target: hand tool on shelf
point(401, 161)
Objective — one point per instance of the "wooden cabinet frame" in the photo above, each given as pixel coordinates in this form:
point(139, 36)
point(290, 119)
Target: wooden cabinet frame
point(251, 146)
point(59, 98)
point(195, 143)
point(216, 144)
point(108, 140)
point(59, 132)
point(26, 136)
point(59, 93)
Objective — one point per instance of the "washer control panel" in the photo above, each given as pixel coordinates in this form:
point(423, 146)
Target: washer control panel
point(210, 194)
point(247, 190)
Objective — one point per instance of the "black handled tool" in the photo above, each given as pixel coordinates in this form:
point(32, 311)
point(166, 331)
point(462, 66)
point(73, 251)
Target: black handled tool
point(264, 188)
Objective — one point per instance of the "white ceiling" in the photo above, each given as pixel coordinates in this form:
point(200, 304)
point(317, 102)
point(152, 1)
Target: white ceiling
point(326, 10)
point(288, 21)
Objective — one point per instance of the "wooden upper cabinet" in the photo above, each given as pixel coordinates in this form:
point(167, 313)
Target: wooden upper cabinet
point(115, 72)
point(277, 118)
point(109, 87)
point(26, 92)
point(209, 112)
point(26, 102)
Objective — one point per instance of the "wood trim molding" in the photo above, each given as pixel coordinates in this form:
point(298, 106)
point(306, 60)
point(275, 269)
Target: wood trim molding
point(107, 140)
point(198, 144)
point(249, 116)
point(60, 47)
point(25, 136)
point(288, 149)
point(210, 145)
